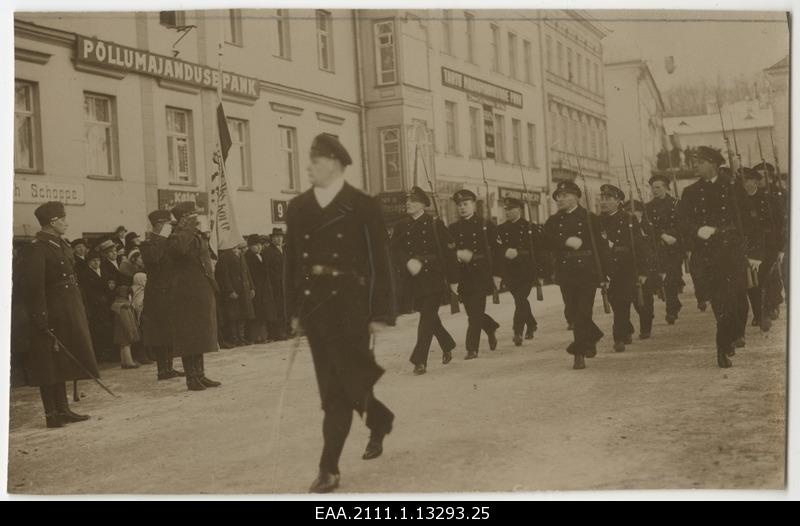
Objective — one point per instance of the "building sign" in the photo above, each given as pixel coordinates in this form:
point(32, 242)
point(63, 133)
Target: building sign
point(167, 199)
point(534, 198)
point(488, 130)
point(279, 208)
point(111, 55)
point(460, 81)
point(42, 192)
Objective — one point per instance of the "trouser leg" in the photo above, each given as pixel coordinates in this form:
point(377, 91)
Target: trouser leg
point(475, 305)
point(646, 311)
point(672, 286)
point(379, 417)
point(47, 393)
point(620, 296)
point(446, 341)
point(428, 315)
point(335, 427)
point(567, 306)
point(488, 324)
point(586, 332)
point(522, 307)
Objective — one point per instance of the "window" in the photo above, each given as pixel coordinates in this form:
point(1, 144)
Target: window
point(283, 43)
point(560, 59)
point(447, 31)
point(495, 48)
point(516, 141)
point(569, 64)
point(588, 84)
point(470, 19)
point(596, 79)
point(289, 167)
point(528, 58)
point(101, 144)
point(548, 42)
point(475, 132)
point(584, 140)
point(451, 125)
point(172, 19)
point(593, 140)
point(27, 152)
point(384, 51)
point(238, 163)
point(179, 146)
point(531, 145)
point(324, 40)
point(512, 55)
point(499, 137)
point(233, 27)
point(580, 69)
point(390, 160)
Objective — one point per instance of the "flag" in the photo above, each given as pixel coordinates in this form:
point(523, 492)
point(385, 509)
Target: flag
point(224, 231)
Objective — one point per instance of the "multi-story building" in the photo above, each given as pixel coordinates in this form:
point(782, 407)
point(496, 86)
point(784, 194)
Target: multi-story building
point(575, 98)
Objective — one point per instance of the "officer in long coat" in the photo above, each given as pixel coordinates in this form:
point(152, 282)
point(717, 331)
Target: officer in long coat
point(156, 313)
point(576, 271)
point(662, 214)
point(193, 292)
point(236, 292)
point(55, 305)
point(709, 213)
point(480, 269)
point(339, 289)
point(273, 254)
point(523, 254)
point(429, 271)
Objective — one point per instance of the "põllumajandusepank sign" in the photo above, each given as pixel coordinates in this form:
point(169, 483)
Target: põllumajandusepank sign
point(41, 192)
point(108, 54)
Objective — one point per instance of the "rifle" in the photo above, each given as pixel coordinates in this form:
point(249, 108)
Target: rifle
point(590, 226)
point(677, 199)
point(539, 294)
point(454, 308)
point(638, 285)
point(495, 293)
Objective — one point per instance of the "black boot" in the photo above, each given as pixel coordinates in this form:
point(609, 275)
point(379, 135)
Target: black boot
point(201, 373)
point(578, 362)
point(51, 415)
point(325, 482)
point(518, 338)
point(529, 332)
point(243, 334)
point(419, 369)
point(722, 358)
point(62, 406)
point(192, 380)
point(492, 339)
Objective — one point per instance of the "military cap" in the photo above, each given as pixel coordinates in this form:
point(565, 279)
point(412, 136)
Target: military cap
point(184, 208)
point(50, 211)
point(277, 231)
point(659, 177)
point(765, 167)
point(464, 195)
point(325, 145)
point(159, 216)
point(750, 173)
point(253, 239)
point(418, 195)
point(566, 187)
point(610, 190)
point(80, 241)
point(512, 202)
point(130, 235)
point(104, 245)
point(709, 154)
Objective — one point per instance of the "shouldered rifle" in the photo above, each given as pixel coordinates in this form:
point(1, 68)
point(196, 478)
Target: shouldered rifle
point(632, 236)
point(645, 218)
point(539, 294)
point(489, 258)
point(454, 308)
point(590, 225)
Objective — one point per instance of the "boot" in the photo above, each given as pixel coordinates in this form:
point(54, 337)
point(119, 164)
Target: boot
point(419, 369)
point(243, 334)
point(619, 346)
point(529, 332)
point(51, 415)
point(492, 339)
point(722, 359)
point(201, 373)
point(62, 406)
point(518, 338)
point(471, 355)
point(374, 446)
point(325, 482)
point(671, 318)
point(447, 356)
point(578, 363)
point(192, 380)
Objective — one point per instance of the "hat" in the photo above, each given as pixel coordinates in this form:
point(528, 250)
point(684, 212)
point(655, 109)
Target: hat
point(567, 187)
point(418, 195)
point(764, 167)
point(750, 173)
point(325, 145)
point(119, 229)
point(277, 231)
point(512, 202)
point(659, 177)
point(79, 241)
point(183, 209)
point(609, 190)
point(50, 211)
point(264, 240)
point(253, 239)
point(93, 254)
point(130, 235)
point(464, 195)
point(707, 153)
point(159, 216)
point(104, 245)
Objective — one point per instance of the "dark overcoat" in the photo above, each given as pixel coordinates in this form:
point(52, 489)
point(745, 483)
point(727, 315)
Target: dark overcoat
point(577, 265)
point(234, 277)
point(264, 304)
point(663, 217)
point(526, 239)
point(479, 236)
point(156, 314)
point(275, 261)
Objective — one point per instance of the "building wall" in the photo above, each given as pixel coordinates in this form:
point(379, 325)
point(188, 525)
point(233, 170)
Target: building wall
point(779, 83)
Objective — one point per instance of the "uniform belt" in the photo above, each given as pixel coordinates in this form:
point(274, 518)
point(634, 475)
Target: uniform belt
point(478, 257)
point(327, 270)
point(621, 249)
point(578, 254)
point(425, 256)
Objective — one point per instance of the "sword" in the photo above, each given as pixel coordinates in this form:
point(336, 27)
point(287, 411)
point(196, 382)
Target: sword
point(78, 363)
point(281, 400)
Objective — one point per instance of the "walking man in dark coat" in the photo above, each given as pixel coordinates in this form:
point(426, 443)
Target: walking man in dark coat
point(156, 314)
point(237, 293)
point(429, 271)
point(56, 309)
point(339, 291)
point(275, 260)
point(193, 296)
point(476, 246)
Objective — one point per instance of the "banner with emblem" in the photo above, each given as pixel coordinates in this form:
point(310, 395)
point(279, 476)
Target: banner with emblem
point(224, 231)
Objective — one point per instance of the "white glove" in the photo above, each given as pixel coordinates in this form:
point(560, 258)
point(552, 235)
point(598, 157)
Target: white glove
point(497, 281)
point(754, 264)
point(414, 266)
point(574, 242)
point(642, 279)
point(668, 239)
point(464, 255)
point(780, 258)
point(705, 232)
point(454, 288)
point(511, 253)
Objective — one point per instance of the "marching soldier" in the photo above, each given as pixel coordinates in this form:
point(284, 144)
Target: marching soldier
point(630, 264)
point(474, 238)
point(156, 319)
point(522, 267)
point(661, 212)
point(339, 291)
point(709, 213)
point(576, 271)
point(429, 268)
point(51, 293)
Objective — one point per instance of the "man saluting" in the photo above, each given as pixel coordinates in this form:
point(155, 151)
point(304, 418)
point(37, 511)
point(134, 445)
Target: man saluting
point(339, 291)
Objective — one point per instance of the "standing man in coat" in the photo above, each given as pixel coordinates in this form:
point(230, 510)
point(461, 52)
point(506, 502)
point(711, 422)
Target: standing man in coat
point(275, 260)
point(51, 293)
point(476, 245)
point(339, 291)
point(193, 296)
point(79, 249)
point(429, 270)
point(97, 297)
point(237, 293)
point(519, 239)
point(156, 315)
point(263, 303)
point(662, 214)
point(568, 236)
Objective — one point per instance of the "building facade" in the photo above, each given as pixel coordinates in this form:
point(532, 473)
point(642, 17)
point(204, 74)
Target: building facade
point(778, 79)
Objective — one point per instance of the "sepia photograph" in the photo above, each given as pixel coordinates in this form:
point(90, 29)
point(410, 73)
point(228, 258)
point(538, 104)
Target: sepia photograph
point(458, 250)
